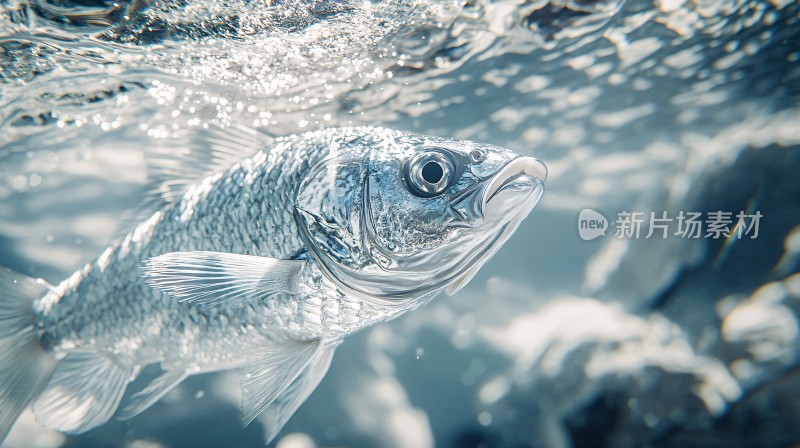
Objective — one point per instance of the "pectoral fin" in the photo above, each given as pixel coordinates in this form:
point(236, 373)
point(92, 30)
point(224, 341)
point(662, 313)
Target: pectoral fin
point(210, 278)
point(264, 380)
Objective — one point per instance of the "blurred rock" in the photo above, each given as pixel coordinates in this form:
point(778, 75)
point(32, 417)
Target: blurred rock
point(695, 345)
point(591, 371)
point(765, 417)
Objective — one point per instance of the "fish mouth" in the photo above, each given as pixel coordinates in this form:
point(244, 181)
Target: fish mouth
point(508, 188)
point(507, 199)
point(520, 170)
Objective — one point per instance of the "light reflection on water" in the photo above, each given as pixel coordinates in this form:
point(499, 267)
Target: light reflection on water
point(655, 105)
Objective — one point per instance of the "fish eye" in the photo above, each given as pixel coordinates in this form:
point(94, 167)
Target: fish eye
point(429, 173)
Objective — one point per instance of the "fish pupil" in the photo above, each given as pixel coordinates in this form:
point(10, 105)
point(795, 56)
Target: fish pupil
point(432, 172)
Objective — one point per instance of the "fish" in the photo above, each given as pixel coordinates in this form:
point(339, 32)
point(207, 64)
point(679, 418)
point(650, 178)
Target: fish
point(260, 254)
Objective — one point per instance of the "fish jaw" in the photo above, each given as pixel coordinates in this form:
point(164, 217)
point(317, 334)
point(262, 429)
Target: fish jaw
point(507, 198)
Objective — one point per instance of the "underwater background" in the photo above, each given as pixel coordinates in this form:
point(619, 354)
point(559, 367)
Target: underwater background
point(624, 339)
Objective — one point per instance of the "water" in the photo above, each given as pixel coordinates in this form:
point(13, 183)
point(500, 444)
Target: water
point(636, 106)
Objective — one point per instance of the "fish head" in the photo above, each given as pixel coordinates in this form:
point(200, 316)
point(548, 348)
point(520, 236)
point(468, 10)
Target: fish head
point(411, 216)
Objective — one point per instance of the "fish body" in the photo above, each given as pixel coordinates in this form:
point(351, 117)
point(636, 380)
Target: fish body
point(245, 210)
point(264, 266)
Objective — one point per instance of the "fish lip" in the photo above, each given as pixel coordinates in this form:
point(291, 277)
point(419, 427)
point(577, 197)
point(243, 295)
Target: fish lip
point(474, 199)
point(512, 171)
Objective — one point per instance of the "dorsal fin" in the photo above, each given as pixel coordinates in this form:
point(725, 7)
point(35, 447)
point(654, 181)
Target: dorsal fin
point(186, 157)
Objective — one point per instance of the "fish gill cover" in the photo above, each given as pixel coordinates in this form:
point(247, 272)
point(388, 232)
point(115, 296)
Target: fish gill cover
point(664, 107)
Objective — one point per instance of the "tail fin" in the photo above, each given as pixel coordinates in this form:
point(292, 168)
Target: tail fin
point(25, 366)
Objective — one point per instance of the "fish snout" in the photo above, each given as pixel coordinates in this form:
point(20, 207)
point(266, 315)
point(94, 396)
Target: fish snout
point(514, 185)
point(507, 189)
